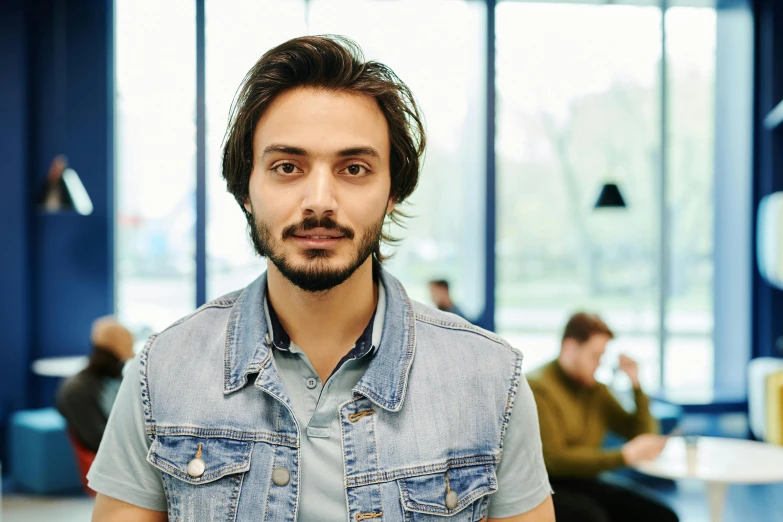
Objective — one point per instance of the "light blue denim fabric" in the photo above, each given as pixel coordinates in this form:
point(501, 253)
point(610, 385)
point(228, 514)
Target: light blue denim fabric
point(427, 418)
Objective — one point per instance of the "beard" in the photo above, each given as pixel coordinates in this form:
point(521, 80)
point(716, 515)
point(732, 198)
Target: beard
point(315, 275)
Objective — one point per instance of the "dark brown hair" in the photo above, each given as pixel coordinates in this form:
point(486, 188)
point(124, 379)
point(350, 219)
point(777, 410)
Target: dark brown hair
point(441, 283)
point(333, 63)
point(104, 363)
point(581, 326)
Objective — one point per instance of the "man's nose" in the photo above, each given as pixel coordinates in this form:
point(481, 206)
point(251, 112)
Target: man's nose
point(320, 197)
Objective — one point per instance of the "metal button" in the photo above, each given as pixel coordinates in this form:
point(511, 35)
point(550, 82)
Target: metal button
point(311, 383)
point(451, 499)
point(196, 468)
point(281, 477)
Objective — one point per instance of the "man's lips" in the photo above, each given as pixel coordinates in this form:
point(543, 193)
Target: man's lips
point(318, 238)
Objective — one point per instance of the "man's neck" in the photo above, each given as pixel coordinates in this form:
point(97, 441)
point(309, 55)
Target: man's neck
point(325, 325)
point(570, 377)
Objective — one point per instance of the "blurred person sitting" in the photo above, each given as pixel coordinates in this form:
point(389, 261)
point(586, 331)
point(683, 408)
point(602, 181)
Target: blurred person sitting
point(86, 399)
point(575, 413)
point(439, 292)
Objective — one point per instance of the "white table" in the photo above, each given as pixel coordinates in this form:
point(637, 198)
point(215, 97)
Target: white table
point(60, 366)
point(718, 462)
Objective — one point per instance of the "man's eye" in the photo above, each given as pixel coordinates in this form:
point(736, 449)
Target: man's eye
point(355, 170)
point(285, 168)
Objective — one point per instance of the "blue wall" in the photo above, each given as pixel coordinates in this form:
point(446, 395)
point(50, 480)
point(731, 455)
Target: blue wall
point(14, 208)
point(57, 270)
point(768, 166)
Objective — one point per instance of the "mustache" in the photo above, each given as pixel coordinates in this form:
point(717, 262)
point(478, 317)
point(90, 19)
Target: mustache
point(311, 222)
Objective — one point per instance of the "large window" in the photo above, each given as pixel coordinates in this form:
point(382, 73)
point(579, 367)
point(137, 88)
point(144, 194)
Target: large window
point(690, 50)
point(155, 162)
point(579, 107)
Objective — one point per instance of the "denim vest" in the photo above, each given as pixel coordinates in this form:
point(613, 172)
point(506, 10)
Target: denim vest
point(422, 434)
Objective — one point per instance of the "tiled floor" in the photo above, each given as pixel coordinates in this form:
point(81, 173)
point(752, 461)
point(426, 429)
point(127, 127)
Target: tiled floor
point(745, 504)
point(43, 509)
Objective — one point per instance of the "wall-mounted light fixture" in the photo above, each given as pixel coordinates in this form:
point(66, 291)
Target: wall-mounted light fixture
point(63, 190)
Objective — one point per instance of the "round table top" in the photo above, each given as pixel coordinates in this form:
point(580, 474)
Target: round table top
point(718, 460)
point(60, 366)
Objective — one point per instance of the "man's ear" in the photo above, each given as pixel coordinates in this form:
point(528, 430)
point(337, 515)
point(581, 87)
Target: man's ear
point(247, 205)
point(390, 206)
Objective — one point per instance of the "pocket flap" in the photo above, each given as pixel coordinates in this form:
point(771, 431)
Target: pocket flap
point(221, 457)
point(427, 493)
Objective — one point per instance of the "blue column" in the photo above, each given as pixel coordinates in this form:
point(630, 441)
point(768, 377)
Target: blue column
point(768, 167)
point(201, 157)
point(14, 212)
point(487, 318)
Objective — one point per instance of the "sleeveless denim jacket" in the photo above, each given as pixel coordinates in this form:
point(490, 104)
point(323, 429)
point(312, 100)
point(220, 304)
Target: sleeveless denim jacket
point(422, 434)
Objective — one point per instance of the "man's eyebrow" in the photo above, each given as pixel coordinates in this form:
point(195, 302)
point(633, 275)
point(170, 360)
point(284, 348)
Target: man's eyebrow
point(298, 151)
point(359, 151)
point(283, 149)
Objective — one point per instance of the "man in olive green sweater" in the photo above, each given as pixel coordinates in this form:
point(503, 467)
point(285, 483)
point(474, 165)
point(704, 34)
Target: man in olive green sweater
point(575, 412)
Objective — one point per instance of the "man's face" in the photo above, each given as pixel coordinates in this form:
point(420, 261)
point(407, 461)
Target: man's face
point(320, 185)
point(440, 295)
point(588, 357)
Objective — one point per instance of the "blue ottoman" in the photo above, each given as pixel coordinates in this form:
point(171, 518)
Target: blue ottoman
point(41, 456)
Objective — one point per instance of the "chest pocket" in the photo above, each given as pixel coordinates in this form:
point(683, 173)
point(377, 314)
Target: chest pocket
point(458, 495)
point(205, 490)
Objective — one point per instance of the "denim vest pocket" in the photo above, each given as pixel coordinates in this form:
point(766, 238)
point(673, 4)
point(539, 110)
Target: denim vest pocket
point(424, 497)
point(216, 490)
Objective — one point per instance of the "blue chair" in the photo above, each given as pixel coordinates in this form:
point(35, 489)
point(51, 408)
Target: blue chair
point(41, 456)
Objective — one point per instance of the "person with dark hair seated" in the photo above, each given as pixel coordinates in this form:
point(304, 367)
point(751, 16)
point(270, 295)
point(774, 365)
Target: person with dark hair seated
point(439, 291)
point(86, 399)
point(575, 413)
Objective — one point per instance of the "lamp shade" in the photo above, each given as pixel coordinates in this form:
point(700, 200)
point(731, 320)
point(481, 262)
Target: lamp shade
point(610, 197)
point(63, 191)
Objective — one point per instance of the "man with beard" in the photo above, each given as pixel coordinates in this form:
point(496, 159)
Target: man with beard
point(576, 413)
point(320, 391)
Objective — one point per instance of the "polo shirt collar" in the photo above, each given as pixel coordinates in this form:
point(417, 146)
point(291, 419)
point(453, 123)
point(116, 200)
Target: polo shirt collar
point(366, 344)
point(385, 380)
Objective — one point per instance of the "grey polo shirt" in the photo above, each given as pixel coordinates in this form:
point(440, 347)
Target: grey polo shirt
point(126, 475)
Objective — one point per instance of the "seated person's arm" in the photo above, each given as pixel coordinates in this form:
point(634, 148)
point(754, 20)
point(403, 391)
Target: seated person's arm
point(524, 493)
point(625, 424)
point(128, 487)
point(562, 459)
point(112, 510)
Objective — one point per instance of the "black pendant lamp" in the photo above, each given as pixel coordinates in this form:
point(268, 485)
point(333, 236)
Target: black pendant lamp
point(610, 197)
point(63, 191)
